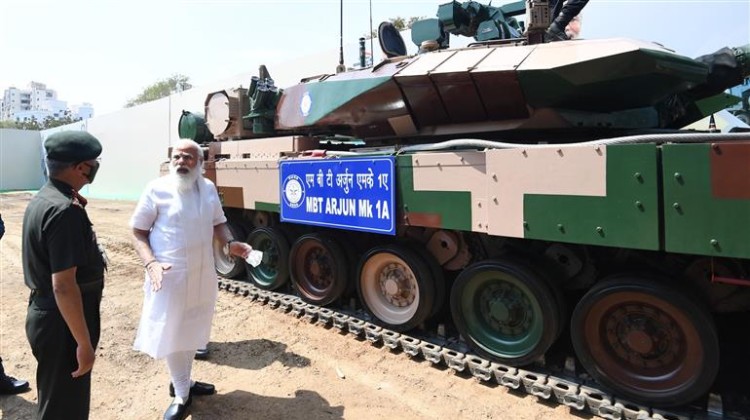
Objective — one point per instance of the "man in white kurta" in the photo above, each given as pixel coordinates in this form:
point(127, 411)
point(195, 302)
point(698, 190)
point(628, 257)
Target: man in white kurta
point(174, 224)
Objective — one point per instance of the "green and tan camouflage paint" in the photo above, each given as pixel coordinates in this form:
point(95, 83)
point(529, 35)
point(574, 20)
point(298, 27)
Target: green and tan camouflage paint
point(590, 195)
point(588, 75)
point(626, 214)
point(247, 171)
point(442, 190)
point(707, 198)
point(494, 88)
point(558, 171)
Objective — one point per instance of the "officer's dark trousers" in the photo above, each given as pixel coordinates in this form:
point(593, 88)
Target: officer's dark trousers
point(61, 397)
point(563, 14)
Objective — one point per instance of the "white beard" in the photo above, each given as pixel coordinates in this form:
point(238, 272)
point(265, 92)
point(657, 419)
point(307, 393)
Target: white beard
point(185, 182)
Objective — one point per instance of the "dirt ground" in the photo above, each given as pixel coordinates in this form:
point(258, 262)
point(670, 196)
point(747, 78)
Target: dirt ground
point(265, 364)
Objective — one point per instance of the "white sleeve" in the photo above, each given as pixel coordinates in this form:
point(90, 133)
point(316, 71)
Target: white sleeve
point(145, 212)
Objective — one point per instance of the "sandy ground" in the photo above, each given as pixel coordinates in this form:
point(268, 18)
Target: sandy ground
point(265, 364)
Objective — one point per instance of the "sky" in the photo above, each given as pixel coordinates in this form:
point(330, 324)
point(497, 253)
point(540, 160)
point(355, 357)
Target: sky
point(106, 52)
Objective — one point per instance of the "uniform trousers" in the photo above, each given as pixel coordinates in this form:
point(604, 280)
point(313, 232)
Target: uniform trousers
point(60, 396)
point(564, 13)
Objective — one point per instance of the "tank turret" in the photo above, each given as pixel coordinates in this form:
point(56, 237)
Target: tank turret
point(618, 84)
point(503, 86)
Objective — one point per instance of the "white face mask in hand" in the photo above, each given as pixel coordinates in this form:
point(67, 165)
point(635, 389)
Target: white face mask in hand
point(254, 258)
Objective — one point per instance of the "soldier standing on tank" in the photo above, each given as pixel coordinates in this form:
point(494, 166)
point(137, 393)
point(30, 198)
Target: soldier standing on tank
point(64, 268)
point(9, 384)
point(564, 11)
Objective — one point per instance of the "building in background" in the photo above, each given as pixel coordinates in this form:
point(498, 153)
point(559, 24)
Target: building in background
point(39, 102)
point(82, 111)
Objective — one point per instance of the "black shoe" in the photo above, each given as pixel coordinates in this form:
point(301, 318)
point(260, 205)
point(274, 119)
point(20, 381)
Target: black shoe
point(11, 385)
point(198, 388)
point(178, 411)
point(555, 33)
point(201, 354)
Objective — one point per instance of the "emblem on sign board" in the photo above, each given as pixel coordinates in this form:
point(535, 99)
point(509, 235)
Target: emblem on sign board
point(294, 191)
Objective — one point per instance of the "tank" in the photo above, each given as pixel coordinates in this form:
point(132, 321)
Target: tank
point(535, 202)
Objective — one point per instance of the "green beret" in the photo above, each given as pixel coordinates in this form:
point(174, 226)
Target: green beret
point(72, 146)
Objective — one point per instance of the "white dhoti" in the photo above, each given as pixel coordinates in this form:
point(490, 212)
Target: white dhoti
point(178, 317)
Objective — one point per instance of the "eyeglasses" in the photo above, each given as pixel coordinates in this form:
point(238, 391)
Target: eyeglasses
point(184, 156)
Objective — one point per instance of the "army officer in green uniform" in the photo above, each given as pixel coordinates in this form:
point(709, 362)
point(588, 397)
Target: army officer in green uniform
point(64, 269)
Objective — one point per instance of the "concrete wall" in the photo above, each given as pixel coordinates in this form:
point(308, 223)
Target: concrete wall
point(21, 166)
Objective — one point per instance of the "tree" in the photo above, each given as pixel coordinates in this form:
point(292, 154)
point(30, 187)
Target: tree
point(160, 89)
point(399, 23)
point(24, 124)
point(67, 118)
point(31, 123)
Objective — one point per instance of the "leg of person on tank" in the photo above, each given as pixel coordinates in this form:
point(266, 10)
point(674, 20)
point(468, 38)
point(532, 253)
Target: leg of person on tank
point(569, 10)
point(10, 385)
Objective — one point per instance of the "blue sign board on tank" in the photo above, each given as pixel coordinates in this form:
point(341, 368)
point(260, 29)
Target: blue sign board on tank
point(346, 193)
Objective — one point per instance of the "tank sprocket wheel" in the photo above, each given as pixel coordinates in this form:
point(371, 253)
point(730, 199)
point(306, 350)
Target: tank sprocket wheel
point(646, 340)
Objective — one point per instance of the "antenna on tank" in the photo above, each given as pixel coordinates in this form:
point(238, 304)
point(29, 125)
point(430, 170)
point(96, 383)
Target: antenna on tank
point(341, 67)
point(372, 50)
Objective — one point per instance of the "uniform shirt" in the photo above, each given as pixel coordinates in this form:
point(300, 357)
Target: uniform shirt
point(178, 317)
point(58, 235)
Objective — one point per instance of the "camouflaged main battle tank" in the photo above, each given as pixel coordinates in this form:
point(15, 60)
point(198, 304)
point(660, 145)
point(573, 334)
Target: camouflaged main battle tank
point(536, 199)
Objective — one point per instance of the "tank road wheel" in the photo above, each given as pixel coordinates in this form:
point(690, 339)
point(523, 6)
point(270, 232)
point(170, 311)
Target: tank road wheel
point(394, 286)
point(505, 311)
point(227, 265)
point(646, 341)
point(318, 269)
point(273, 272)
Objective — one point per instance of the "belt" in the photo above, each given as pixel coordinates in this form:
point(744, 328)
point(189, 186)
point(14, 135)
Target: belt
point(85, 288)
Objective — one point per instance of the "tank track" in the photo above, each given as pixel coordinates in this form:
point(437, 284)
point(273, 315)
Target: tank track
point(577, 392)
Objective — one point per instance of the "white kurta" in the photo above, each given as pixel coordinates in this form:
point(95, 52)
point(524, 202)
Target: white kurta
point(178, 317)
